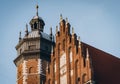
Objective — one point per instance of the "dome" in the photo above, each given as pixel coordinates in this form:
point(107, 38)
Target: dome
point(37, 22)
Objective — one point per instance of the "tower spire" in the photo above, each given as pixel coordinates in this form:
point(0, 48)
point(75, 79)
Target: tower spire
point(37, 9)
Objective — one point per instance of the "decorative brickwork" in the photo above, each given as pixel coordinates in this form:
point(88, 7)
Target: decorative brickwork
point(40, 60)
point(69, 65)
point(33, 53)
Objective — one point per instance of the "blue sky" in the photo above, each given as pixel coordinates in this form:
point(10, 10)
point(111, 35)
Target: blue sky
point(97, 22)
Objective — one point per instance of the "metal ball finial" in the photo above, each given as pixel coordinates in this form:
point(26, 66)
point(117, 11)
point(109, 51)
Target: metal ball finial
point(37, 6)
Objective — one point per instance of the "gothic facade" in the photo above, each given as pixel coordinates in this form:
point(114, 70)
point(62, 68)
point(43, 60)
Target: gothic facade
point(43, 59)
point(69, 65)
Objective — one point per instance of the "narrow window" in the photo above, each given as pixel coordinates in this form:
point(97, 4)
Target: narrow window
point(58, 49)
point(35, 25)
point(63, 45)
point(84, 78)
point(84, 62)
point(31, 70)
point(77, 47)
point(77, 70)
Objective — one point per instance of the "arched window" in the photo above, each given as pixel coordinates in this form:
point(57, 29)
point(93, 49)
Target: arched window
point(83, 78)
point(77, 68)
point(35, 25)
point(78, 80)
point(31, 70)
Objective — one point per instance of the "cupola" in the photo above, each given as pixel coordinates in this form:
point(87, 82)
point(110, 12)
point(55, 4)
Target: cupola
point(37, 22)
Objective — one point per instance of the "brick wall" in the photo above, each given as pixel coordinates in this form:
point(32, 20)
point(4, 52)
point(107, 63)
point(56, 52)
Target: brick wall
point(69, 65)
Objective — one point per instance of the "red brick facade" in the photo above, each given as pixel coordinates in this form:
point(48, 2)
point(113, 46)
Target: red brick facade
point(68, 64)
point(32, 69)
point(33, 53)
point(40, 60)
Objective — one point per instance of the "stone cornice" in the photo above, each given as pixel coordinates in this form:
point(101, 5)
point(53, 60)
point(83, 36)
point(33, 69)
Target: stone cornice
point(26, 39)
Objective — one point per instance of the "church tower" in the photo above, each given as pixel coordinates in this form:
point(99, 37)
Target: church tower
point(33, 53)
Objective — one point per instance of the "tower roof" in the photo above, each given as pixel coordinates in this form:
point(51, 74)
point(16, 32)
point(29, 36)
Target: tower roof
point(37, 22)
